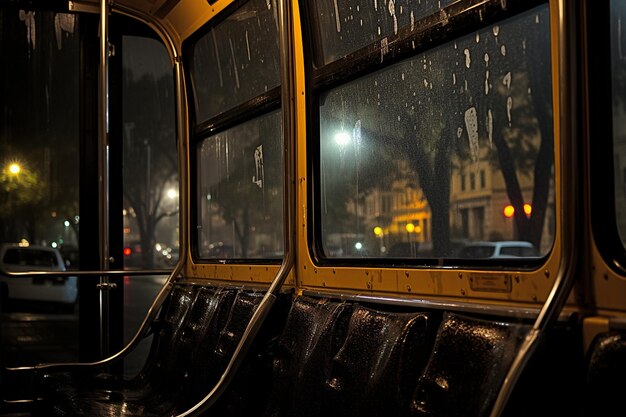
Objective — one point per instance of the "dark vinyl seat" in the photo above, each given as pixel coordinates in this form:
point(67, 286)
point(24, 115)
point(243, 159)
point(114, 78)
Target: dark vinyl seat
point(342, 359)
point(468, 363)
point(197, 332)
point(605, 379)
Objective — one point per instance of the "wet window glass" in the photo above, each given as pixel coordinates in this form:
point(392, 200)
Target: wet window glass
point(236, 60)
point(31, 257)
point(39, 183)
point(39, 128)
point(348, 25)
point(150, 163)
point(444, 150)
point(618, 69)
point(240, 191)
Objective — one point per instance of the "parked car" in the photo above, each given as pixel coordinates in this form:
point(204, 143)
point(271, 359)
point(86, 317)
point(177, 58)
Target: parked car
point(500, 249)
point(17, 258)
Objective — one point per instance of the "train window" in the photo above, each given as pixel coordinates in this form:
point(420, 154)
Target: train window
point(39, 104)
point(40, 214)
point(237, 60)
point(346, 28)
point(240, 189)
point(618, 79)
point(235, 77)
point(412, 132)
point(150, 169)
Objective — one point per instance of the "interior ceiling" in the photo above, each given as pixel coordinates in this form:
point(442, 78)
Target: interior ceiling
point(181, 17)
point(159, 8)
point(145, 6)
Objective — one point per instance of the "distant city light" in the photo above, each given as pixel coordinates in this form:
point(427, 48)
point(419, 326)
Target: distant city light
point(66, 223)
point(171, 193)
point(410, 227)
point(509, 210)
point(358, 245)
point(528, 209)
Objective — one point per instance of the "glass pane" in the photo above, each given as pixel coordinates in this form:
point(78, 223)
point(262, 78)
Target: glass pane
point(150, 156)
point(452, 148)
point(240, 191)
point(618, 68)
point(39, 183)
point(348, 25)
point(237, 60)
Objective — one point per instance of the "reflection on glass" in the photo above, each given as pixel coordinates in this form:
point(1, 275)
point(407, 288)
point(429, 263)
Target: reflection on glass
point(240, 195)
point(451, 148)
point(618, 67)
point(237, 60)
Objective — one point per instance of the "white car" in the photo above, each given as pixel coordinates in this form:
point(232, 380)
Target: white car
point(500, 249)
point(16, 258)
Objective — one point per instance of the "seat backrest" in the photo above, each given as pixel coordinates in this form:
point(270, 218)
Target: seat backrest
point(340, 359)
point(383, 354)
point(468, 363)
point(312, 335)
point(606, 371)
point(168, 328)
point(213, 352)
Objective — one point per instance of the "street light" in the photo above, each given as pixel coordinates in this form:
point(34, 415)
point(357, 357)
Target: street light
point(172, 193)
point(342, 138)
point(14, 168)
point(410, 228)
point(378, 232)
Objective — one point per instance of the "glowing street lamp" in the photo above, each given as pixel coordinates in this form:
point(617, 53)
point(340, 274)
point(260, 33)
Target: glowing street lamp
point(172, 193)
point(342, 138)
point(14, 168)
point(410, 228)
point(378, 232)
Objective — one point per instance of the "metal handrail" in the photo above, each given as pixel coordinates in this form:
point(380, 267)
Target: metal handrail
point(103, 175)
point(289, 206)
point(143, 330)
point(87, 273)
point(564, 281)
point(183, 226)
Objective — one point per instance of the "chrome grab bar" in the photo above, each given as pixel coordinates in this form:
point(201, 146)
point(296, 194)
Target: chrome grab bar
point(289, 207)
point(113, 272)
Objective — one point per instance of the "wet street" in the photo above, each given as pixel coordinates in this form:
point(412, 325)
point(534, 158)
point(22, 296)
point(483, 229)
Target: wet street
point(34, 335)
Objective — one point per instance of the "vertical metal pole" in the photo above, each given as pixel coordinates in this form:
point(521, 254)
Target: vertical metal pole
point(103, 172)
